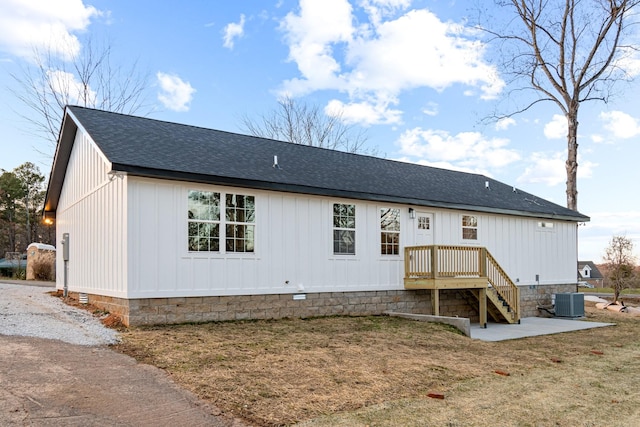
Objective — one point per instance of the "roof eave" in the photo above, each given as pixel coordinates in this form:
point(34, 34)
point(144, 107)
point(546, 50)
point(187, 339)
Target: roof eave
point(64, 146)
point(293, 188)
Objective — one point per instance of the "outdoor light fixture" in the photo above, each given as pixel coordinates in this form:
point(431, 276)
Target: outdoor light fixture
point(412, 213)
point(49, 218)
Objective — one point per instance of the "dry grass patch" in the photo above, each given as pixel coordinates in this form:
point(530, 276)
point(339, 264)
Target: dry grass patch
point(380, 370)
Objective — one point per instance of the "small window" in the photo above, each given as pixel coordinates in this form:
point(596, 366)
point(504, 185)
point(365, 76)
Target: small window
point(204, 221)
point(424, 223)
point(240, 227)
point(546, 225)
point(390, 231)
point(344, 229)
point(469, 227)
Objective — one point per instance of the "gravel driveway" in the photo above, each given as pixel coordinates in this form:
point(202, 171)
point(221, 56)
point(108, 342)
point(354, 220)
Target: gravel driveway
point(29, 311)
point(56, 370)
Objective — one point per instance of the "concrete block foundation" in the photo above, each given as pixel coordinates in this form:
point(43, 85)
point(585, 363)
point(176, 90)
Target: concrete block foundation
point(453, 303)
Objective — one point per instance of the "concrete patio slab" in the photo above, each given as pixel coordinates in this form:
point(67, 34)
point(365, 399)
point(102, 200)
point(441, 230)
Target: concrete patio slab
point(530, 327)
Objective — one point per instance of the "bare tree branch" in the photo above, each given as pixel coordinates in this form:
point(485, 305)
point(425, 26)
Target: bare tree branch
point(566, 51)
point(49, 82)
point(300, 123)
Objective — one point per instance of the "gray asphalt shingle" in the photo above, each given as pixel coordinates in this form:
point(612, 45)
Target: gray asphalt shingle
point(147, 147)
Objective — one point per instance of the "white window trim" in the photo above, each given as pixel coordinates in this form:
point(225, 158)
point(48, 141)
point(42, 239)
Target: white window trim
point(477, 227)
point(222, 222)
point(380, 231)
point(335, 255)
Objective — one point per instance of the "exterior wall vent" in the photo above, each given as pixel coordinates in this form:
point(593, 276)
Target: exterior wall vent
point(570, 305)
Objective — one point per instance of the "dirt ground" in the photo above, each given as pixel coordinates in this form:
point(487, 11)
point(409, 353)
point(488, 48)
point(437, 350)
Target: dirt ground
point(371, 371)
point(48, 382)
point(392, 372)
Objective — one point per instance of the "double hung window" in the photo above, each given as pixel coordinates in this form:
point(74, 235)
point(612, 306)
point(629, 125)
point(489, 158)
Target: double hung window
point(469, 227)
point(240, 219)
point(344, 229)
point(389, 231)
point(206, 222)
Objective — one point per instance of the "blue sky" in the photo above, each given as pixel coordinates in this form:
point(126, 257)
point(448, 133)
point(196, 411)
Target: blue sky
point(412, 73)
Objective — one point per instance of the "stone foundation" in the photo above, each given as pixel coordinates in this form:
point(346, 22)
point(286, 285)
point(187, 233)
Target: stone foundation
point(150, 311)
point(453, 303)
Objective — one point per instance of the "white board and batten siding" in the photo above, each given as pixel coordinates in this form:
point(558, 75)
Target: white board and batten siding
point(128, 239)
point(92, 209)
point(294, 247)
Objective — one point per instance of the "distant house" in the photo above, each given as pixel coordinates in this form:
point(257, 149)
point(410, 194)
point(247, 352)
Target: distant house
point(588, 272)
point(170, 223)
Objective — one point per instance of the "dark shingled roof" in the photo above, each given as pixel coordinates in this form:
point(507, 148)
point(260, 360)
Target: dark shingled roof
point(146, 147)
point(595, 273)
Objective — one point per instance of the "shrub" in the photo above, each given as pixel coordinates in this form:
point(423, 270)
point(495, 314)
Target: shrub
point(42, 270)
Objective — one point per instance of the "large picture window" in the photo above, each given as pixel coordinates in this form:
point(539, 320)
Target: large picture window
point(344, 229)
point(206, 221)
point(469, 227)
point(390, 231)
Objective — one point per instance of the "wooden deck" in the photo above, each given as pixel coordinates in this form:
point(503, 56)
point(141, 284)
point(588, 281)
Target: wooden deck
point(469, 268)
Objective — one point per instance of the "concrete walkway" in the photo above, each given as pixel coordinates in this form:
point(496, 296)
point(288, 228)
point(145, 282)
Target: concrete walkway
point(530, 327)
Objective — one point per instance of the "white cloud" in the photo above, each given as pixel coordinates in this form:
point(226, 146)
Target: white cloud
point(364, 113)
point(620, 124)
point(175, 94)
point(629, 61)
point(431, 109)
point(233, 31)
point(444, 165)
point(64, 83)
point(377, 60)
point(505, 123)
point(549, 168)
point(48, 25)
point(379, 9)
point(556, 128)
point(463, 151)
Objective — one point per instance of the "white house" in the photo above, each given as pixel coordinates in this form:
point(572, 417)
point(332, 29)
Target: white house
point(169, 223)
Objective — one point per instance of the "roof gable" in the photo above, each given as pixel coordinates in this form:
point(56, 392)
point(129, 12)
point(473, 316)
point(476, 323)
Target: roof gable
point(593, 271)
point(147, 147)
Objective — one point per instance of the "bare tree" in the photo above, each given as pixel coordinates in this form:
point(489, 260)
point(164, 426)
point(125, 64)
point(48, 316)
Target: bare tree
point(300, 123)
point(566, 52)
point(90, 79)
point(619, 264)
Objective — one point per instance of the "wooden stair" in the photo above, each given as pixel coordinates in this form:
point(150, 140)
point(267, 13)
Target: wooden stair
point(470, 269)
point(498, 308)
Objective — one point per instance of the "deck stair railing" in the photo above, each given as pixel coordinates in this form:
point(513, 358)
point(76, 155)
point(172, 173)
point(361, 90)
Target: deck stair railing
point(449, 261)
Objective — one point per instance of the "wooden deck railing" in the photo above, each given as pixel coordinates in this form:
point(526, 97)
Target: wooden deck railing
point(441, 262)
point(502, 284)
point(432, 262)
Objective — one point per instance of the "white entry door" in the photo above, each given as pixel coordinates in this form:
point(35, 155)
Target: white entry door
point(424, 228)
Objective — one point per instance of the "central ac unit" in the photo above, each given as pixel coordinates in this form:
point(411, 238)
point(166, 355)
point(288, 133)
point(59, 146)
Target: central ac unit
point(570, 305)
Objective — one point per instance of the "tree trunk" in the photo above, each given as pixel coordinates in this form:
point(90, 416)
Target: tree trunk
point(571, 164)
